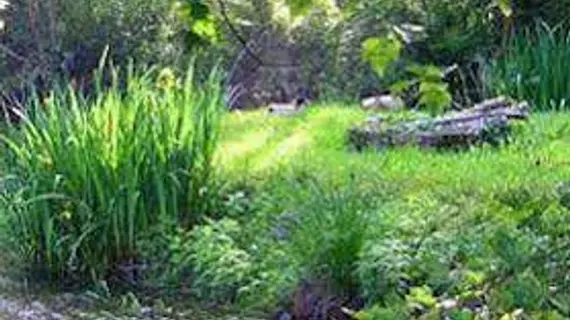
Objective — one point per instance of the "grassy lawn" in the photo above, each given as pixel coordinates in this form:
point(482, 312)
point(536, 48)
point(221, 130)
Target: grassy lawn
point(261, 145)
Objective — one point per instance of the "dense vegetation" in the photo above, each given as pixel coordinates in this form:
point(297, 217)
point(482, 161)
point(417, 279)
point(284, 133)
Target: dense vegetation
point(143, 182)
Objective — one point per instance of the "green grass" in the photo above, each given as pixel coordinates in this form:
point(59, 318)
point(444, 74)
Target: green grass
point(355, 207)
point(316, 141)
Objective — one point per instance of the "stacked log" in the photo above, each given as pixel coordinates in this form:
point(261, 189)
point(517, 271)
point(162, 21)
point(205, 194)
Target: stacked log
point(487, 122)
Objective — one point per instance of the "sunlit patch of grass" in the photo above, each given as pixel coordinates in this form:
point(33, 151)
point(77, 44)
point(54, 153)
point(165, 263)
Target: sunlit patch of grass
point(285, 150)
point(244, 146)
point(285, 138)
point(320, 135)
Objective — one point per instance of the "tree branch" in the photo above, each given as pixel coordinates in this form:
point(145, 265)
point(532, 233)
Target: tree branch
point(235, 32)
point(12, 54)
point(243, 41)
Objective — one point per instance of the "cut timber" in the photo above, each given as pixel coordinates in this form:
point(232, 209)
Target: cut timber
point(487, 122)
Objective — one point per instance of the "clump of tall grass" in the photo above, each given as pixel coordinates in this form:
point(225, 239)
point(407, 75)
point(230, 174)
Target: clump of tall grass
point(90, 178)
point(534, 67)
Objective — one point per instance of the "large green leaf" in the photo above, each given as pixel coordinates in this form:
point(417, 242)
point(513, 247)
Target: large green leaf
point(205, 28)
point(381, 52)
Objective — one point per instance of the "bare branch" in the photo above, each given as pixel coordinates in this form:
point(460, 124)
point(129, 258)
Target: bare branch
point(12, 54)
point(236, 33)
point(243, 41)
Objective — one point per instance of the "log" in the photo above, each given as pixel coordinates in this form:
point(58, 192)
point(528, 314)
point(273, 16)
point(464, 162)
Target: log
point(487, 122)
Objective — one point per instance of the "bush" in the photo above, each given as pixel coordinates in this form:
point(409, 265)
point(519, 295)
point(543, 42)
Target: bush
point(305, 230)
point(220, 266)
point(334, 223)
point(55, 39)
point(89, 180)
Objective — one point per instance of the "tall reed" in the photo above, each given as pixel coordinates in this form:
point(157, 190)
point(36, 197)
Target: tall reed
point(534, 67)
point(90, 178)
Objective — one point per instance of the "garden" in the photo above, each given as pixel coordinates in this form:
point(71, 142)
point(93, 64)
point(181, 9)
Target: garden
point(216, 159)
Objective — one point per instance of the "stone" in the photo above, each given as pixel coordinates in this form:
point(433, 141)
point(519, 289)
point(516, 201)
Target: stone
point(448, 304)
point(382, 102)
point(286, 109)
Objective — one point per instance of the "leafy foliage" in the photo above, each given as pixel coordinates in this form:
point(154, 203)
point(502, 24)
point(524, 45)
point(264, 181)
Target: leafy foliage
point(381, 52)
point(131, 177)
point(221, 267)
point(433, 92)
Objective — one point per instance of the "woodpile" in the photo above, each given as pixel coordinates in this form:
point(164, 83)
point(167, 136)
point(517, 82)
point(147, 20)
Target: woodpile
point(487, 122)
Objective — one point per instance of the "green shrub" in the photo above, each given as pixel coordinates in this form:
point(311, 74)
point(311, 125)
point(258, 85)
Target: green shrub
point(41, 37)
point(89, 180)
point(219, 265)
point(534, 68)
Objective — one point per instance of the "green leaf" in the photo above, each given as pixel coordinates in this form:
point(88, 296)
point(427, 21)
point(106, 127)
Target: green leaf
point(473, 278)
point(422, 295)
point(434, 96)
point(299, 7)
point(400, 86)
point(415, 69)
point(461, 315)
point(381, 52)
point(427, 73)
point(205, 28)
